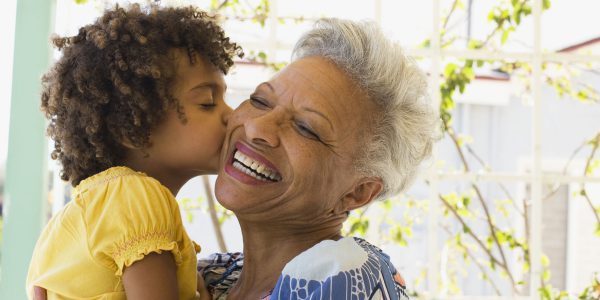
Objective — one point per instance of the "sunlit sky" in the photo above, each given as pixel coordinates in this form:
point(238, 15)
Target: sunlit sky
point(408, 21)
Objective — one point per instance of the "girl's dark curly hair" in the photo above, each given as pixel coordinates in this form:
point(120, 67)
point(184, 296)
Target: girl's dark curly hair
point(113, 81)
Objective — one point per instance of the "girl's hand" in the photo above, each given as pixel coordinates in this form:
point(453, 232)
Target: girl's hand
point(40, 293)
point(153, 277)
point(201, 288)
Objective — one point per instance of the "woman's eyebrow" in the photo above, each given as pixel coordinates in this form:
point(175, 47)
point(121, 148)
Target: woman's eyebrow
point(267, 84)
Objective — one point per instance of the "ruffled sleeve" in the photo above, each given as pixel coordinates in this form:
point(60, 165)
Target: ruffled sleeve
point(129, 217)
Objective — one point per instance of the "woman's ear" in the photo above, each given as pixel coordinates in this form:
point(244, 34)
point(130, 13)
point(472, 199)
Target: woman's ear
point(364, 191)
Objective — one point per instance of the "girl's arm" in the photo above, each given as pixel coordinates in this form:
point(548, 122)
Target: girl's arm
point(154, 277)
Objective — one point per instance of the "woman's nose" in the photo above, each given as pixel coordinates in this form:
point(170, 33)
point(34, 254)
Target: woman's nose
point(263, 129)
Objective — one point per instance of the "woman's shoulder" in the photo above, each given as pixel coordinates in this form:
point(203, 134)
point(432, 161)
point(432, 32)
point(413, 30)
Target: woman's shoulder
point(332, 267)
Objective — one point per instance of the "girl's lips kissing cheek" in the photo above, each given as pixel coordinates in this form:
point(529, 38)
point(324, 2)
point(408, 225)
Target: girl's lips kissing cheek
point(249, 167)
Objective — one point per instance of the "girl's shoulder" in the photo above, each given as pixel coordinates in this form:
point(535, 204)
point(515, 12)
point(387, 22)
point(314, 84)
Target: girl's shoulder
point(124, 205)
point(118, 175)
point(118, 188)
point(349, 266)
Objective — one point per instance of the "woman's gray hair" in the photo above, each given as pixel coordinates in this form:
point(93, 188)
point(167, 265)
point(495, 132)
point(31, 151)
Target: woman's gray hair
point(406, 124)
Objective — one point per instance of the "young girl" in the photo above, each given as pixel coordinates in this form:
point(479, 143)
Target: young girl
point(135, 107)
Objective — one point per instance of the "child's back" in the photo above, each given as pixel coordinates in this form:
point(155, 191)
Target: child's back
point(115, 218)
point(137, 91)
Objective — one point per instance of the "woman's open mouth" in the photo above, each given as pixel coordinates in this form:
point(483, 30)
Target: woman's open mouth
point(252, 164)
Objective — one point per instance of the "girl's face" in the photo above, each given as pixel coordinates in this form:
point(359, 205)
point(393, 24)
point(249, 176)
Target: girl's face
point(190, 146)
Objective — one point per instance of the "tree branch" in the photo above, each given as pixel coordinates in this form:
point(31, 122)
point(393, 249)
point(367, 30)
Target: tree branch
point(474, 259)
point(471, 233)
point(485, 166)
point(587, 165)
point(484, 206)
point(452, 9)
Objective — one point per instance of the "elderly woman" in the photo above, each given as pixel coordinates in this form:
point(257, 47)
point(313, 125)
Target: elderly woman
point(346, 123)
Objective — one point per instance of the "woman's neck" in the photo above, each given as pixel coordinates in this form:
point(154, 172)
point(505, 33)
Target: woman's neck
point(267, 250)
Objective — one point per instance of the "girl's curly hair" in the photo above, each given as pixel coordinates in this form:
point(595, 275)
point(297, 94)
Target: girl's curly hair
point(113, 81)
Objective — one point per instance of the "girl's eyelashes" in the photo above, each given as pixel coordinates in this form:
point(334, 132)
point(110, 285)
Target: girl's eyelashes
point(207, 105)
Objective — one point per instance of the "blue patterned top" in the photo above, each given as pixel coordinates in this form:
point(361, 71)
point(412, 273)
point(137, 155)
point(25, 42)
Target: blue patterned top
point(349, 268)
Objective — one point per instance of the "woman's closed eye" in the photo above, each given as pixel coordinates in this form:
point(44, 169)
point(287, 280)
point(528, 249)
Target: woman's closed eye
point(306, 131)
point(259, 102)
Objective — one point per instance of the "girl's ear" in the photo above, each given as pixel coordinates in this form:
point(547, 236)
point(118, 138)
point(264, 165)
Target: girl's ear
point(363, 192)
point(127, 143)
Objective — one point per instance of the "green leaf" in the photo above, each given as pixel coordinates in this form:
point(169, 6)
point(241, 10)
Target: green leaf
point(463, 212)
point(469, 63)
point(546, 275)
point(474, 44)
point(466, 201)
point(526, 9)
point(505, 34)
point(545, 260)
point(81, 1)
point(466, 229)
point(469, 73)
point(526, 267)
point(461, 86)
point(517, 13)
point(449, 69)
point(501, 237)
point(545, 293)
point(262, 55)
point(584, 294)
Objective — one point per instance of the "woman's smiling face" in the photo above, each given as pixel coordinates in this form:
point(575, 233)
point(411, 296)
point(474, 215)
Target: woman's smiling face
point(290, 149)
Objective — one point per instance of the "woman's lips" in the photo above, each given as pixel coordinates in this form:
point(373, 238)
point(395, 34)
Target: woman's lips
point(249, 167)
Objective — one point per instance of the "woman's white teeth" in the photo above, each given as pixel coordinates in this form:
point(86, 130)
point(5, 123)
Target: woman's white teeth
point(242, 168)
point(251, 167)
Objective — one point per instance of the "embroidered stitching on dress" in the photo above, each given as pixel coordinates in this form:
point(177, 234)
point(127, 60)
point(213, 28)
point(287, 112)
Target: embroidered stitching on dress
point(121, 173)
point(144, 239)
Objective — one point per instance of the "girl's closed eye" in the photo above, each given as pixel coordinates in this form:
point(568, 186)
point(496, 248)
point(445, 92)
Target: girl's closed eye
point(208, 104)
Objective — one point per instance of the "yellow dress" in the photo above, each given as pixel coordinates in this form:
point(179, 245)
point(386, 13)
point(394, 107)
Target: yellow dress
point(116, 218)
